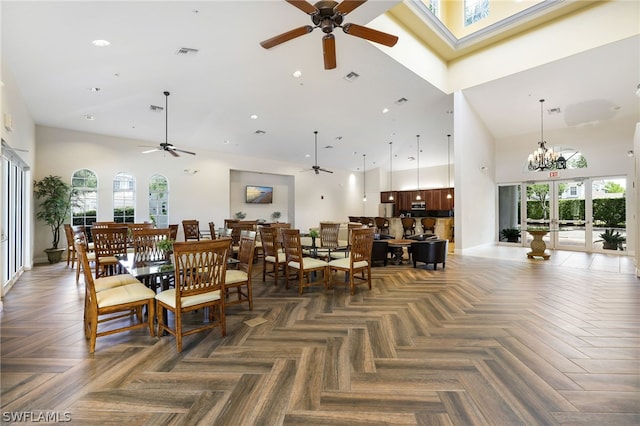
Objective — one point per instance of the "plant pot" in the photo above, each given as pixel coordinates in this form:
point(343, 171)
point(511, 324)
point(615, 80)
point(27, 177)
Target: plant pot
point(610, 246)
point(54, 255)
point(513, 239)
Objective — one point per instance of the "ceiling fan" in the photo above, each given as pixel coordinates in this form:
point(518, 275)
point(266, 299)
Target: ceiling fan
point(166, 146)
point(315, 166)
point(328, 15)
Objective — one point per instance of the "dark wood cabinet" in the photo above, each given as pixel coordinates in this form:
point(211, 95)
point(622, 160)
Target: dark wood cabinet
point(435, 199)
point(384, 196)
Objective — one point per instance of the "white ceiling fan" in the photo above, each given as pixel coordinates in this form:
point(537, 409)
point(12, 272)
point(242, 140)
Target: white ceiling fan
point(315, 166)
point(166, 146)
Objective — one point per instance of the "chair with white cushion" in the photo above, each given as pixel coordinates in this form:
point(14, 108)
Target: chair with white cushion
point(112, 298)
point(274, 259)
point(359, 260)
point(240, 279)
point(200, 271)
point(300, 265)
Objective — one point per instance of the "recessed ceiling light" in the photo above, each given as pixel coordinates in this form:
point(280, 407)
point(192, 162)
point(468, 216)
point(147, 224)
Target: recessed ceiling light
point(227, 142)
point(254, 117)
point(307, 155)
point(385, 110)
point(297, 73)
point(89, 117)
point(100, 43)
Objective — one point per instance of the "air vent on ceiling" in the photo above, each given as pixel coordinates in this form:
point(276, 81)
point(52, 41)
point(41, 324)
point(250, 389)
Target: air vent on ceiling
point(156, 108)
point(328, 147)
point(186, 51)
point(260, 132)
point(402, 101)
point(552, 111)
point(352, 76)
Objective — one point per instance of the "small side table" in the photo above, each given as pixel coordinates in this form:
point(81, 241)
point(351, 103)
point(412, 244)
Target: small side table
point(398, 245)
point(538, 246)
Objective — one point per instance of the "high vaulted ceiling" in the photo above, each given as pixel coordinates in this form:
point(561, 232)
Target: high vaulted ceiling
point(214, 92)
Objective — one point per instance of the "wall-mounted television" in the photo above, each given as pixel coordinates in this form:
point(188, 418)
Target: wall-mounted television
point(259, 194)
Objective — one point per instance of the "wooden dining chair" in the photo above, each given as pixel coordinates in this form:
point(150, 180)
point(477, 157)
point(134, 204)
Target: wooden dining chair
point(200, 271)
point(297, 264)
point(191, 230)
point(145, 245)
point(137, 226)
point(212, 230)
point(408, 226)
point(359, 260)
point(240, 279)
point(274, 258)
point(71, 248)
point(112, 298)
point(174, 231)
point(109, 244)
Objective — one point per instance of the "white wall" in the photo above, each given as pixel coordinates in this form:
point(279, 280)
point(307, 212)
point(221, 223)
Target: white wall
point(204, 196)
point(475, 190)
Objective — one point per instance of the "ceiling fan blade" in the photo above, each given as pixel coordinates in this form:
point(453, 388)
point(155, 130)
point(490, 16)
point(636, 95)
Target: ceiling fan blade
point(183, 151)
point(329, 51)
point(348, 5)
point(370, 34)
point(325, 170)
point(289, 35)
point(304, 6)
point(151, 150)
point(173, 152)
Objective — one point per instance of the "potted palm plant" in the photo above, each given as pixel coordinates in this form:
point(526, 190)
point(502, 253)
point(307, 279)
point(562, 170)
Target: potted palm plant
point(611, 240)
point(275, 216)
point(54, 209)
point(512, 235)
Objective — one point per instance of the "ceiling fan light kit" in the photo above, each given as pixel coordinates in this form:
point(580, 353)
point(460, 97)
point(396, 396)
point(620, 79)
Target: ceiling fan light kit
point(166, 146)
point(329, 15)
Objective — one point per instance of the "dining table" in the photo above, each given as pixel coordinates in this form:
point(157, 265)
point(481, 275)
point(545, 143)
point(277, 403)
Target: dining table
point(397, 246)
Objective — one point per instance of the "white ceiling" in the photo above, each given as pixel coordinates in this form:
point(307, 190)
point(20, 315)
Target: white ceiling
point(47, 47)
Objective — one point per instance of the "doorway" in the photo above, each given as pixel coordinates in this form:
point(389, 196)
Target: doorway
point(579, 213)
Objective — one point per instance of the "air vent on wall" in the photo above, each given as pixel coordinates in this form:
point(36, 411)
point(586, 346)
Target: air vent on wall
point(352, 76)
point(186, 51)
point(156, 108)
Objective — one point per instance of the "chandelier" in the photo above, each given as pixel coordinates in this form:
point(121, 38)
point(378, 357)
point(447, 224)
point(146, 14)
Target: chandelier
point(544, 158)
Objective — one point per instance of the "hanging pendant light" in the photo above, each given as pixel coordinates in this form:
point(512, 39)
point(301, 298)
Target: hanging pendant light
point(418, 197)
point(390, 171)
point(449, 196)
point(544, 158)
point(364, 177)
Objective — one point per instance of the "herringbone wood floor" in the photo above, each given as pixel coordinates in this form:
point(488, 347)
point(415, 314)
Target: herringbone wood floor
point(481, 342)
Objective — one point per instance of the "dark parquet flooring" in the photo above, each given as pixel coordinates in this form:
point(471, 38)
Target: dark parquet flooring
point(483, 342)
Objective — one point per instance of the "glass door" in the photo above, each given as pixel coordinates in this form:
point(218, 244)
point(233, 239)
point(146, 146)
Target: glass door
point(538, 210)
point(572, 200)
point(609, 233)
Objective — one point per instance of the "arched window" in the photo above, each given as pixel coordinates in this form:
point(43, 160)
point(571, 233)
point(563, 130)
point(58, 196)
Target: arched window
point(159, 201)
point(85, 183)
point(124, 198)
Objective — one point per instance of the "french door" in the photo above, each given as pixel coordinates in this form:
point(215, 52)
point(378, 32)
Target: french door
point(576, 211)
